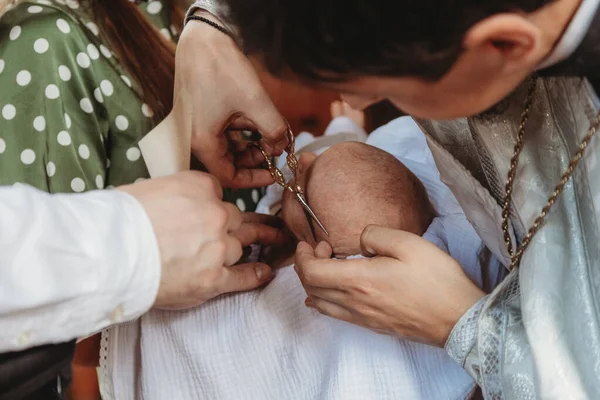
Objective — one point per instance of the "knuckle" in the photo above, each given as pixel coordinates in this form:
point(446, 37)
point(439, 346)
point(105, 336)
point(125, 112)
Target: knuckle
point(213, 184)
point(219, 250)
point(220, 217)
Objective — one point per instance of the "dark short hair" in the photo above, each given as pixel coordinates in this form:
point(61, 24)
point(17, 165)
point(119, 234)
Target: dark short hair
point(336, 40)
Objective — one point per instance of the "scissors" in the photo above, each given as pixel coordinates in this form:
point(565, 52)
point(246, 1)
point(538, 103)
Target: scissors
point(277, 175)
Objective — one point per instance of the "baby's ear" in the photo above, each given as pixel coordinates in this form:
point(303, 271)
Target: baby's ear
point(305, 160)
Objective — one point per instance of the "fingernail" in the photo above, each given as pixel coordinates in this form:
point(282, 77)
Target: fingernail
point(308, 303)
point(262, 272)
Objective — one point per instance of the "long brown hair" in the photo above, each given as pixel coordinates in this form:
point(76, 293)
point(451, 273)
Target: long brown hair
point(141, 48)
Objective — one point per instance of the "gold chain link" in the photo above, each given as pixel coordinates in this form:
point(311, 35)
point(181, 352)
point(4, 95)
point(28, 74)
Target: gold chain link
point(514, 162)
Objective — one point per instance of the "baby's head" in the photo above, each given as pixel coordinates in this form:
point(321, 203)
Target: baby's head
point(350, 186)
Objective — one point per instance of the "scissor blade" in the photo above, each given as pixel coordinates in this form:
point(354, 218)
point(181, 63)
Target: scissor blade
point(310, 212)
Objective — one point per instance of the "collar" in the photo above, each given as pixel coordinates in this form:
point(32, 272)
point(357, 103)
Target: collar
point(574, 34)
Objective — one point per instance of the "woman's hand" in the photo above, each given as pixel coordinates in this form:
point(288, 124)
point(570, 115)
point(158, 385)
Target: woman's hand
point(410, 288)
point(218, 89)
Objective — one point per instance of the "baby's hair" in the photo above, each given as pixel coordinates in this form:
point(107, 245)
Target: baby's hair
point(353, 185)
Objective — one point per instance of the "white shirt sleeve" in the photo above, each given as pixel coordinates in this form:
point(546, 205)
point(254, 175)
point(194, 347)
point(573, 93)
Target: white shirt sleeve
point(72, 264)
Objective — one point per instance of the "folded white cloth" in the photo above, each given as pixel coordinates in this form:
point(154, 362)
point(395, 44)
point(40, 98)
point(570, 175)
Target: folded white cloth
point(267, 345)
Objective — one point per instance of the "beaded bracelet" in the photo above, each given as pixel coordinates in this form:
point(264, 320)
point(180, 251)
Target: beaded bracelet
point(209, 22)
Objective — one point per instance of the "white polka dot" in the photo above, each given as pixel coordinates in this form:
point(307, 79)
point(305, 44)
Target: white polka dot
point(105, 51)
point(64, 139)
point(84, 151)
point(122, 123)
point(63, 2)
point(126, 80)
point(83, 60)
point(78, 185)
point(67, 121)
point(9, 111)
point(23, 78)
point(41, 46)
point(27, 156)
point(107, 88)
point(174, 30)
point(99, 182)
point(15, 32)
point(138, 180)
point(147, 111)
point(39, 123)
point(50, 169)
point(154, 7)
point(98, 95)
point(35, 10)
point(93, 27)
point(86, 105)
point(240, 204)
point(64, 72)
point(73, 4)
point(1, 65)
point(165, 32)
point(2, 145)
point(52, 92)
point(255, 195)
point(93, 52)
point(63, 25)
point(107, 163)
point(45, 2)
point(133, 154)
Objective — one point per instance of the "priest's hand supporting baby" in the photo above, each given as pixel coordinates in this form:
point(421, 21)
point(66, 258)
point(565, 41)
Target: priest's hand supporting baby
point(408, 287)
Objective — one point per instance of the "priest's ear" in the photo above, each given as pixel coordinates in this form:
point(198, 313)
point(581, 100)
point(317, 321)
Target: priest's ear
point(509, 39)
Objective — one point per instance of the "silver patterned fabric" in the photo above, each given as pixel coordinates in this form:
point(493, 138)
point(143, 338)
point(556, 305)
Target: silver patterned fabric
point(538, 334)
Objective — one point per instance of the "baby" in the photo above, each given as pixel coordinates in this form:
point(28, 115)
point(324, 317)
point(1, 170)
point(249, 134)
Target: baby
point(266, 344)
point(350, 186)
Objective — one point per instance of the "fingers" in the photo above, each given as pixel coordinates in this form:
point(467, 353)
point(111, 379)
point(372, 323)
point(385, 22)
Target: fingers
point(269, 122)
point(330, 309)
point(249, 157)
point(234, 217)
point(242, 123)
point(266, 219)
point(323, 250)
point(250, 178)
point(251, 233)
point(382, 241)
point(234, 250)
point(326, 273)
point(244, 277)
point(330, 295)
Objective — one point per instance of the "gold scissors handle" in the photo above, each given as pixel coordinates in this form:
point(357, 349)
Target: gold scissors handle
point(280, 179)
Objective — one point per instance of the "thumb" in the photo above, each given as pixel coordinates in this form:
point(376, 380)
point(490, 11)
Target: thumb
point(243, 277)
point(269, 122)
point(388, 242)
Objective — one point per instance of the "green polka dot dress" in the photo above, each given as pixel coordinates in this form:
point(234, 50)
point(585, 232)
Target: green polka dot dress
point(70, 115)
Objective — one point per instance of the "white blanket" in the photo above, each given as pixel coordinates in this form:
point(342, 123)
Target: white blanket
point(267, 345)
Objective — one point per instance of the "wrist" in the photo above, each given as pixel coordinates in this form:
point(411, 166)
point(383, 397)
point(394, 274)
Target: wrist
point(462, 305)
point(223, 28)
point(201, 34)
